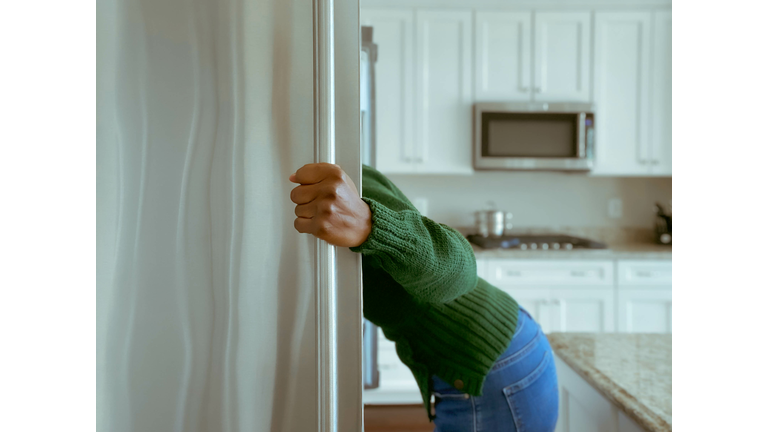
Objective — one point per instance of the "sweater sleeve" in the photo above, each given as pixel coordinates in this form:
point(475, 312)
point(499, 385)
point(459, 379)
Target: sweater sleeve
point(433, 262)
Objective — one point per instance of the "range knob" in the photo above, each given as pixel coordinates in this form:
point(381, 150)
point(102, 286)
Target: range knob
point(568, 246)
point(555, 245)
point(523, 246)
point(534, 246)
point(544, 246)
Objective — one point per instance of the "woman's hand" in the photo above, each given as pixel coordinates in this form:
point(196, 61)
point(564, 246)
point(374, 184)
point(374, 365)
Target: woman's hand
point(328, 205)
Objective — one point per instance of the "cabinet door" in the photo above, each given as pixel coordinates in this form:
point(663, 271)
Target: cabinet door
point(443, 92)
point(394, 83)
point(503, 56)
point(582, 408)
point(582, 310)
point(622, 91)
point(661, 84)
point(562, 56)
point(646, 310)
point(535, 301)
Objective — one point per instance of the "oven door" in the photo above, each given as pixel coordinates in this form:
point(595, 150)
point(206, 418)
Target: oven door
point(534, 136)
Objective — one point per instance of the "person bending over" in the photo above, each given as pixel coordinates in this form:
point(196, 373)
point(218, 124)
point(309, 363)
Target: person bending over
point(468, 343)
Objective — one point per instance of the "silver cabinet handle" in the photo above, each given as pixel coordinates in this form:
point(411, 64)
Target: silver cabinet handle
point(578, 273)
point(538, 89)
point(556, 302)
point(525, 89)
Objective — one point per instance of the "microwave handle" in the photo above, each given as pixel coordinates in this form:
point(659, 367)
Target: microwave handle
point(582, 134)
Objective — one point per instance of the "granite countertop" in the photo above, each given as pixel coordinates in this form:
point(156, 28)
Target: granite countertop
point(616, 251)
point(634, 371)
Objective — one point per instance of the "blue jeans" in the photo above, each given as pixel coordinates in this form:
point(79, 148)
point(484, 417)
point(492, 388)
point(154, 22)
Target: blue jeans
point(519, 394)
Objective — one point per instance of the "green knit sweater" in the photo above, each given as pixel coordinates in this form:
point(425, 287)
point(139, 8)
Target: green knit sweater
point(420, 285)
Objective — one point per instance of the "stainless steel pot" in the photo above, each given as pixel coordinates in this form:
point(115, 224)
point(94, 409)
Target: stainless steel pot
point(493, 223)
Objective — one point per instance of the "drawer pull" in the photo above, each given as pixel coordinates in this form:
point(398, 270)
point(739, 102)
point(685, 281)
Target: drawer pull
point(514, 273)
point(578, 273)
point(644, 273)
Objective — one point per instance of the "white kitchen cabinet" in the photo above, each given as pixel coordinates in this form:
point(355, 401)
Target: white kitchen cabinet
point(482, 268)
point(622, 93)
point(582, 310)
point(548, 272)
point(503, 56)
point(395, 75)
point(644, 273)
point(535, 301)
point(562, 56)
point(443, 92)
point(647, 310)
point(558, 56)
point(661, 96)
point(644, 296)
point(567, 309)
point(584, 409)
point(633, 93)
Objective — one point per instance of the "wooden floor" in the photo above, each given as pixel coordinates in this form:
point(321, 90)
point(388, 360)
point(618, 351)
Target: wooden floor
point(397, 418)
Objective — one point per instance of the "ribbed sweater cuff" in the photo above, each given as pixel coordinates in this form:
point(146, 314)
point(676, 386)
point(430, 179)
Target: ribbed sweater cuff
point(387, 234)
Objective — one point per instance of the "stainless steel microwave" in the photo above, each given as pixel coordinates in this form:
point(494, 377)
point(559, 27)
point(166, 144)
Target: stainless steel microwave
point(534, 136)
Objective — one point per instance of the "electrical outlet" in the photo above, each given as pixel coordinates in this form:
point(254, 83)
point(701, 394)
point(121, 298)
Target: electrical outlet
point(421, 205)
point(615, 210)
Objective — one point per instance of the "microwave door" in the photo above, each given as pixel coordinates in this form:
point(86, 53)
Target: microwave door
point(537, 138)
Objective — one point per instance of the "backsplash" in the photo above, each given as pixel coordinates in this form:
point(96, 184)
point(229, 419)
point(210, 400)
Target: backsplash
point(556, 201)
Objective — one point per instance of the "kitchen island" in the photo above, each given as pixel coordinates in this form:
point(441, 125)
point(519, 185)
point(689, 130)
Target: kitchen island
point(614, 381)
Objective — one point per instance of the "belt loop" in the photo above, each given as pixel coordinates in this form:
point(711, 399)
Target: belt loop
point(430, 389)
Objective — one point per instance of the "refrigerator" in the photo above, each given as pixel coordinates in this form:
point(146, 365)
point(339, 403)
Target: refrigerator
point(213, 313)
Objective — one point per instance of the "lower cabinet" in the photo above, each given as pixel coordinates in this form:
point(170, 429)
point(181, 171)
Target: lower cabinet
point(568, 309)
point(597, 296)
point(582, 310)
point(645, 310)
point(584, 409)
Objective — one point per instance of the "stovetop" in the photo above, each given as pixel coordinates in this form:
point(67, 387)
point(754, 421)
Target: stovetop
point(535, 242)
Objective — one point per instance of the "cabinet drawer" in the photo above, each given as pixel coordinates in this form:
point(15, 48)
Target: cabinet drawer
point(549, 272)
point(651, 272)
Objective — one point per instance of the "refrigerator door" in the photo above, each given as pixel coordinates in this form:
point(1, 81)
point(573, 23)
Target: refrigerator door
point(207, 298)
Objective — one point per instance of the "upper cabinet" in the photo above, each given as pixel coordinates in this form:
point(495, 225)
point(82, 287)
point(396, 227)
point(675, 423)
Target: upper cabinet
point(552, 47)
point(622, 92)
point(503, 63)
point(423, 90)
point(661, 94)
point(562, 56)
point(394, 83)
point(443, 92)
point(633, 93)
point(434, 64)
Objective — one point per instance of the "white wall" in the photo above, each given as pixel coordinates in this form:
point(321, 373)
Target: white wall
point(539, 199)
